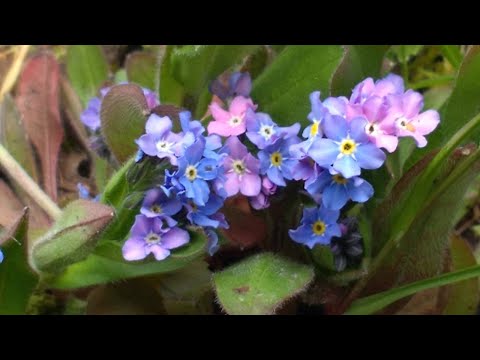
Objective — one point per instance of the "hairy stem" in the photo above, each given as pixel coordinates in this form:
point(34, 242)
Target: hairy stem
point(20, 177)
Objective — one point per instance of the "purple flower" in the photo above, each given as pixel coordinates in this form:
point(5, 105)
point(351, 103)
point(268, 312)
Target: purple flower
point(391, 84)
point(90, 117)
point(262, 131)
point(193, 172)
point(157, 204)
point(151, 97)
point(238, 84)
point(408, 120)
point(241, 170)
point(337, 190)
point(160, 141)
point(347, 147)
point(149, 236)
point(262, 200)
point(317, 226)
point(276, 161)
point(207, 215)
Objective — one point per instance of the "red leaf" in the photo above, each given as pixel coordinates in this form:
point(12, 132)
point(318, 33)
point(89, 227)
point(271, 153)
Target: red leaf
point(38, 102)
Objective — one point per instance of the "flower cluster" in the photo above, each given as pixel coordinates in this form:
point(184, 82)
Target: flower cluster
point(246, 152)
point(347, 136)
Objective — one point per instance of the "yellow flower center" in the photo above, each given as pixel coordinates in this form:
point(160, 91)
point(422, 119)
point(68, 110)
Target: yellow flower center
point(152, 238)
point(348, 146)
point(191, 172)
point(407, 125)
point(276, 159)
point(339, 179)
point(157, 209)
point(314, 128)
point(239, 167)
point(319, 227)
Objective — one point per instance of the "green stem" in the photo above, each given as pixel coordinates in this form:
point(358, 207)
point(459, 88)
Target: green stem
point(19, 176)
point(374, 303)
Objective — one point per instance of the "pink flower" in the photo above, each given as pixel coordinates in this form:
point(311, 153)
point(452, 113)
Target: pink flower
point(408, 121)
point(231, 122)
point(241, 170)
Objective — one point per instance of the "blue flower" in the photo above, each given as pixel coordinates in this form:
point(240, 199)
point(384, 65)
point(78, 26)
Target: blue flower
point(139, 155)
point(276, 162)
point(90, 117)
point(171, 185)
point(157, 204)
point(207, 215)
point(212, 244)
point(189, 125)
point(262, 131)
point(347, 147)
point(84, 193)
point(1, 256)
point(318, 226)
point(337, 190)
point(194, 172)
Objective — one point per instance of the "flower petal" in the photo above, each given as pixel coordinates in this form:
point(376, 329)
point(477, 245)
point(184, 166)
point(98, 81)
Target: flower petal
point(134, 249)
point(412, 103)
point(369, 156)
point(148, 144)
point(159, 252)
point(324, 152)
point(157, 126)
point(250, 185)
point(275, 176)
point(360, 193)
point(232, 184)
point(175, 238)
point(335, 196)
point(335, 127)
point(347, 166)
point(218, 113)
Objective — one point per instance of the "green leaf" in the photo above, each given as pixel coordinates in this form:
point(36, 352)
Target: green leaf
point(123, 115)
point(194, 66)
point(72, 237)
point(14, 138)
point(283, 89)
point(107, 265)
point(16, 279)
point(187, 291)
point(87, 69)
point(260, 284)
point(463, 297)
point(141, 69)
point(171, 91)
point(359, 62)
point(374, 303)
point(462, 105)
point(453, 54)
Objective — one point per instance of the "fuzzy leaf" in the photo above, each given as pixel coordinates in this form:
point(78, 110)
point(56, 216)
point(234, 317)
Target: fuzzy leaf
point(123, 114)
point(260, 284)
point(72, 237)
